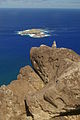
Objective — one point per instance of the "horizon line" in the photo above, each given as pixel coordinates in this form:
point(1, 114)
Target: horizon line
point(35, 8)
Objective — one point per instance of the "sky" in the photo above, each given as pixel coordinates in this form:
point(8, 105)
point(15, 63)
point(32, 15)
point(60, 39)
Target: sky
point(40, 4)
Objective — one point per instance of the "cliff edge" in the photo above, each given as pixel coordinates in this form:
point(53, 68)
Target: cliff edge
point(48, 91)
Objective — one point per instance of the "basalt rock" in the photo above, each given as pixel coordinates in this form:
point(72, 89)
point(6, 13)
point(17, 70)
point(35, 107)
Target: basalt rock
point(10, 108)
point(13, 105)
point(50, 63)
point(49, 92)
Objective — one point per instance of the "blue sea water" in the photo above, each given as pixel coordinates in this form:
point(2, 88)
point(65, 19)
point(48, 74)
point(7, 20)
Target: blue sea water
point(63, 25)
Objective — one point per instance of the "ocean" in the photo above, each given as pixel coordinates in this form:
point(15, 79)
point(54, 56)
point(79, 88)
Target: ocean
point(63, 25)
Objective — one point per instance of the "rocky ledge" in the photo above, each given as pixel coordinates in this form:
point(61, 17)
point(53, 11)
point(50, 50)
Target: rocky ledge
point(48, 91)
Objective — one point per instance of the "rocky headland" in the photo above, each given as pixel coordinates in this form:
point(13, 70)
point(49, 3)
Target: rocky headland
point(48, 91)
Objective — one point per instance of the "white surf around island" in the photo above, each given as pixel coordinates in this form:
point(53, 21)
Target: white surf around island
point(34, 33)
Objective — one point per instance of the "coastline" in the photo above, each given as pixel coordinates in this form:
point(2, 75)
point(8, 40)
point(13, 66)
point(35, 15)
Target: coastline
point(35, 33)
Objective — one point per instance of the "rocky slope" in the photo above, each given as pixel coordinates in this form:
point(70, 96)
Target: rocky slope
point(48, 91)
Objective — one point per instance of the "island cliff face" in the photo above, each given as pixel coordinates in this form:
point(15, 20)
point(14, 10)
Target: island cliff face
point(48, 91)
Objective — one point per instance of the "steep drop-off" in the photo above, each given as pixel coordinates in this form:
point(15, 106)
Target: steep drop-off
point(48, 91)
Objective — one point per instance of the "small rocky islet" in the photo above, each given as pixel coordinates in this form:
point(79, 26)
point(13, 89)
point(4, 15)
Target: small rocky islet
point(48, 91)
point(34, 33)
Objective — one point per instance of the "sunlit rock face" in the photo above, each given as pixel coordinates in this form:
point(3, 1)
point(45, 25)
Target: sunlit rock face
point(49, 91)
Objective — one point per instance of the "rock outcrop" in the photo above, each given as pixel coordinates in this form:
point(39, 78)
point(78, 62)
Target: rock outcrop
point(49, 91)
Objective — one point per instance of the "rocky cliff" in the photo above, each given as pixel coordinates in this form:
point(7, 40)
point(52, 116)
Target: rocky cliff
point(48, 91)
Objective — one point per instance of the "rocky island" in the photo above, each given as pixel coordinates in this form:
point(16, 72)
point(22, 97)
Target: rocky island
point(48, 91)
point(35, 33)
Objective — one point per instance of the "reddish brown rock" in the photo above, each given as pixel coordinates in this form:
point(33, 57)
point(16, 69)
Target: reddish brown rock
point(50, 93)
point(10, 108)
point(28, 82)
point(50, 63)
point(28, 74)
point(60, 69)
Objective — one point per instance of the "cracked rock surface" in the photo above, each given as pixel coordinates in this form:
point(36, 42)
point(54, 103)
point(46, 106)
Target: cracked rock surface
point(49, 91)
